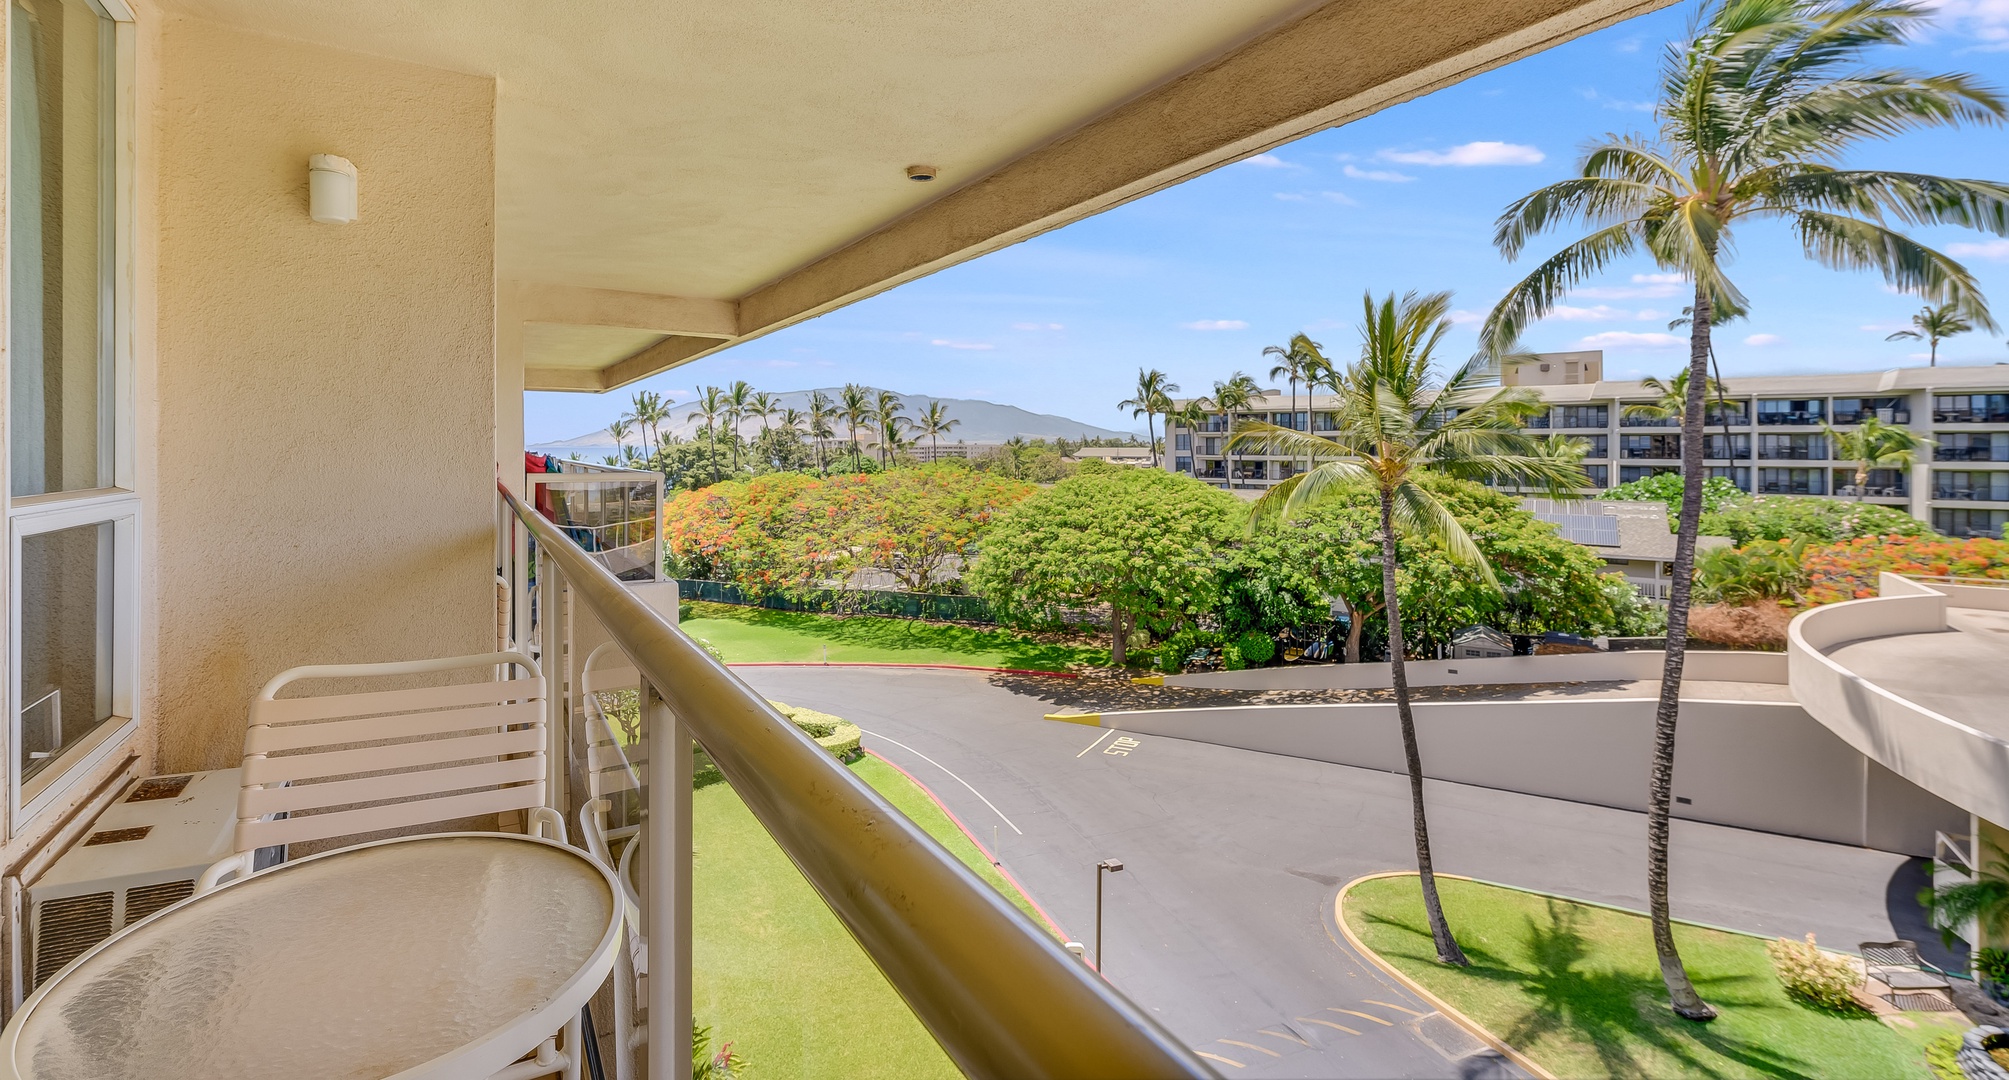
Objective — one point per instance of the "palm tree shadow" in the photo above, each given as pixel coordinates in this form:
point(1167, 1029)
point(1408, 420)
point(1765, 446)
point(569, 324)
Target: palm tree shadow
point(1614, 1012)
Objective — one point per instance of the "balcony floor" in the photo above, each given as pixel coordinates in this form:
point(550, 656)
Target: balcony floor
point(1232, 857)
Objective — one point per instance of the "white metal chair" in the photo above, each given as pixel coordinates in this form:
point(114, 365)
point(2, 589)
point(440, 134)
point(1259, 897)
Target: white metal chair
point(338, 765)
point(614, 758)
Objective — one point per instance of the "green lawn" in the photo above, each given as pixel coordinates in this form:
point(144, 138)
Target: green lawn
point(773, 971)
point(750, 634)
point(1577, 989)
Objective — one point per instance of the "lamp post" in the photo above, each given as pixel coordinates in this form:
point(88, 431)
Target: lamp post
point(1112, 866)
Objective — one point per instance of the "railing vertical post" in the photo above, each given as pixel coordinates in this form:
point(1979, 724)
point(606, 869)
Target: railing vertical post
point(669, 896)
point(552, 638)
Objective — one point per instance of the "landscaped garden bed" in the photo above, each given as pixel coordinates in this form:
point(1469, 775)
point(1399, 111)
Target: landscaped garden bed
point(1576, 988)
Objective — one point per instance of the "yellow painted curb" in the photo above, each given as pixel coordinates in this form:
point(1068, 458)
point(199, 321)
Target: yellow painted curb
point(1090, 719)
point(1149, 680)
point(1442, 1006)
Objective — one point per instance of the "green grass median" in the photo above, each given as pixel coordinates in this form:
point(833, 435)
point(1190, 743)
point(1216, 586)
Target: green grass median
point(758, 635)
point(774, 972)
point(1577, 989)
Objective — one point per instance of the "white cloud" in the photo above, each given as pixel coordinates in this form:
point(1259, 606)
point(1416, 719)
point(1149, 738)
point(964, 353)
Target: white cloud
point(1643, 287)
point(1340, 197)
point(1461, 317)
point(1984, 22)
point(1216, 324)
point(1386, 176)
point(1037, 326)
point(1626, 339)
point(1759, 341)
point(1471, 153)
point(1270, 161)
point(1291, 196)
point(1600, 313)
point(948, 344)
point(1628, 45)
point(1989, 249)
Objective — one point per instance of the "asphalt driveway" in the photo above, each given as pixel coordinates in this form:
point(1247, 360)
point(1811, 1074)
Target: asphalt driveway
point(1220, 921)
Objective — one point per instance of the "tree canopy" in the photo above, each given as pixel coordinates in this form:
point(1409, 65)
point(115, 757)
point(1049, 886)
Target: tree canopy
point(1143, 541)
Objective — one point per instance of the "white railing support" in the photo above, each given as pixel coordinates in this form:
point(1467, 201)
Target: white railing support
point(668, 914)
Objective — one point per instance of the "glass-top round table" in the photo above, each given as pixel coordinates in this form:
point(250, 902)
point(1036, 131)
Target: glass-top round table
point(432, 956)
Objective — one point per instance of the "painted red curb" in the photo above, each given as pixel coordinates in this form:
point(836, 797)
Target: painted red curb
point(870, 663)
point(995, 864)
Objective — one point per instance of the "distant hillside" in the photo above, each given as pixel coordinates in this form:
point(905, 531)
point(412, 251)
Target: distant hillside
point(978, 422)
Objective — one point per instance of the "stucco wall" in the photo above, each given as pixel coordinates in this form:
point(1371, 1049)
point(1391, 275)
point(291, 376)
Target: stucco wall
point(325, 393)
point(1755, 765)
point(1702, 666)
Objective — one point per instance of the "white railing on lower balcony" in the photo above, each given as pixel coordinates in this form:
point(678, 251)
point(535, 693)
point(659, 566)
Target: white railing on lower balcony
point(1000, 995)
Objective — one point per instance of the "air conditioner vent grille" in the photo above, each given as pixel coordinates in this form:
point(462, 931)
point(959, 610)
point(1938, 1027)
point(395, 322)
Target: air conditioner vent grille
point(68, 928)
point(147, 899)
point(159, 787)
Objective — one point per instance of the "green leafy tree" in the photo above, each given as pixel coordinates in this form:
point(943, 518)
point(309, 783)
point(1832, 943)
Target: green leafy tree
point(1145, 542)
point(1399, 420)
point(1192, 416)
point(1819, 521)
point(1152, 396)
point(1667, 487)
point(1934, 324)
point(1874, 444)
point(917, 523)
point(1983, 901)
point(1764, 570)
point(1752, 112)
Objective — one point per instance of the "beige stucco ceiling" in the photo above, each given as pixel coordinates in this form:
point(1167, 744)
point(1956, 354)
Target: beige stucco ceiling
point(745, 151)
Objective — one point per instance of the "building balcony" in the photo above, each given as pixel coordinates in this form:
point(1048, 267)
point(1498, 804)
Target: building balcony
point(1968, 453)
point(1790, 419)
point(1792, 453)
point(1970, 495)
point(1648, 422)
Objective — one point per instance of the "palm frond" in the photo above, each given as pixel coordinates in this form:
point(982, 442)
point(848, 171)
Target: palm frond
point(1538, 293)
point(1845, 243)
point(1420, 515)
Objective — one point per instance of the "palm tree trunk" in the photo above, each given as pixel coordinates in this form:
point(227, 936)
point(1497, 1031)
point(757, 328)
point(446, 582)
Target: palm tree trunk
point(1660, 785)
point(1440, 932)
point(1862, 480)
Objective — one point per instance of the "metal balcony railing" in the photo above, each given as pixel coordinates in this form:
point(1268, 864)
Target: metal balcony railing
point(1805, 419)
point(1967, 453)
point(1791, 453)
point(1971, 495)
point(1648, 421)
point(998, 993)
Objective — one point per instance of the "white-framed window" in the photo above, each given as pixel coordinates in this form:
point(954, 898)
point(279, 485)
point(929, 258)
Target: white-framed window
point(73, 514)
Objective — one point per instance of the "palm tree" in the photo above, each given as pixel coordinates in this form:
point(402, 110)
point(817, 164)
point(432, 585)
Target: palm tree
point(1934, 325)
point(738, 400)
point(1752, 110)
point(821, 412)
point(1152, 396)
point(1239, 392)
point(649, 413)
point(1398, 423)
point(886, 410)
point(934, 423)
point(764, 407)
point(1875, 445)
point(710, 403)
point(855, 405)
point(1192, 416)
point(1300, 362)
point(620, 429)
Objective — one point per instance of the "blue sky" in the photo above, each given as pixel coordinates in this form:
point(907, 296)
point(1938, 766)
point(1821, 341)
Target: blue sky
point(1197, 279)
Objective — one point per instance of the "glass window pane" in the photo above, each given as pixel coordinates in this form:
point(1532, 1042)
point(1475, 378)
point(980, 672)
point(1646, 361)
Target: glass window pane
point(58, 207)
point(66, 640)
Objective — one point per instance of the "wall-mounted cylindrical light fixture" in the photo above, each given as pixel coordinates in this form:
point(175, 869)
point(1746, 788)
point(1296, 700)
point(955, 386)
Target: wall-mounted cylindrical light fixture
point(331, 189)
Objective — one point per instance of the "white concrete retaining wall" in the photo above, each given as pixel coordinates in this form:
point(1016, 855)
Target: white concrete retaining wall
point(1937, 753)
point(1755, 765)
point(1710, 666)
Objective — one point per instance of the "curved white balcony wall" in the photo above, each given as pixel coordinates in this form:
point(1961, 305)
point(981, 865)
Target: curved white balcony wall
point(1951, 758)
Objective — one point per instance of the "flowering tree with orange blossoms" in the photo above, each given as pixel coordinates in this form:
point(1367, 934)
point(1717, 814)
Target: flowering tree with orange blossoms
point(1848, 570)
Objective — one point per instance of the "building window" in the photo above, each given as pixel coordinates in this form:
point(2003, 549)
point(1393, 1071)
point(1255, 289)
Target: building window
point(1882, 483)
point(1182, 441)
point(1628, 473)
point(1792, 448)
point(1988, 486)
point(1966, 523)
point(1644, 419)
point(1790, 410)
point(1594, 446)
point(1182, 464)
point(1890, 410)
point(1739, 475)
point(71, 511)
point(1792, 482)
point(1722, 448)
point(1325, 421)
point(1600, 475)
point(1583, 416)
point(1649, 446)
point(1970, 409)
point(1733, 413)
point(1970, 446)
point(1537, 422)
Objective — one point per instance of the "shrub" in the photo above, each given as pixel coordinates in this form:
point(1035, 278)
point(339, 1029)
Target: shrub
point(1760, 625)
point(1817, 521)
point(1815, 977)
point(1172, 653)
point(1257, 648)
point(1992, 964)
point(1759, 571)
point(1666, 488)
point(1942, 1056)
point(1231, 657)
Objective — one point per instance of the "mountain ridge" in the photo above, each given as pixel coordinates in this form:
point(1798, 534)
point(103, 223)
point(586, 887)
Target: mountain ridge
point(979, 421)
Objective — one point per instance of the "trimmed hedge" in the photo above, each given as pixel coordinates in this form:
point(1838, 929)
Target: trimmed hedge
point(835, 734)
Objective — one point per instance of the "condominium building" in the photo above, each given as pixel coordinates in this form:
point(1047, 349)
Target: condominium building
point(1768, 435)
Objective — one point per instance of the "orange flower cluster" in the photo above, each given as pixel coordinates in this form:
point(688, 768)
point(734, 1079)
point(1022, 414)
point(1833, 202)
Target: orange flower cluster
point(1848, 570)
